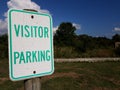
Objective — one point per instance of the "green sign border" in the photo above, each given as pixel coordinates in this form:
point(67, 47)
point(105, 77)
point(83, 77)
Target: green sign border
point(10, 46)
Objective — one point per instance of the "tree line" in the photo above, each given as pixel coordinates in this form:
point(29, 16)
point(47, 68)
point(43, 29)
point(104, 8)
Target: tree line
point(67, 44)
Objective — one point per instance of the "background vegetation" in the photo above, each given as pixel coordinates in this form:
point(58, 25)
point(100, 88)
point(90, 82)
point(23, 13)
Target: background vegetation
point(4, 46)
point(67, 44)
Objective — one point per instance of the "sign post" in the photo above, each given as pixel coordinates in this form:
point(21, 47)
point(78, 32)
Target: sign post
point(32, 84)
point(30, 45)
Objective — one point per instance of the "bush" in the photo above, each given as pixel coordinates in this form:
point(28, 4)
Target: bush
point(117, 51)
point(65, 52)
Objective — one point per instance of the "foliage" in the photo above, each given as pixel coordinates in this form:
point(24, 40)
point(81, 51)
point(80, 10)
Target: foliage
point(116, 38)
point(117, 51)
point(69, 45)
point(4, 46)
point(65, 34)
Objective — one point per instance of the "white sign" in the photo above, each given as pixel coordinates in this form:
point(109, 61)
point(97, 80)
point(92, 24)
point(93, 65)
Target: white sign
point(30, 44)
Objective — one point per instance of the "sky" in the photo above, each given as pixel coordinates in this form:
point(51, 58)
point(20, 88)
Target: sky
point(97, 18)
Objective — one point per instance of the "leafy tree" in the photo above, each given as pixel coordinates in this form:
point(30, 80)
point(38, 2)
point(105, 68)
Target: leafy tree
point(103, 42)
point(116, 38)
point(66, 40)
point(4, 46)
point(87, 41)
point(65, 34)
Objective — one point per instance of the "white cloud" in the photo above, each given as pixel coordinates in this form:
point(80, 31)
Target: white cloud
point(117, 29)
point(25, 4)
point(19, 4)
point(55, 29)
point(78, 26)
point(3, 26)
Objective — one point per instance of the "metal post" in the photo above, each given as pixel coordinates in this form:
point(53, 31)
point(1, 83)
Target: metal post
point(32, 84)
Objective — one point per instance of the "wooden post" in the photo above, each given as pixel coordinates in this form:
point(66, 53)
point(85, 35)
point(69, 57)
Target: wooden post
point(32, 84)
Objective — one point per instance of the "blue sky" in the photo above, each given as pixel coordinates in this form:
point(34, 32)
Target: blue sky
point(94, 17)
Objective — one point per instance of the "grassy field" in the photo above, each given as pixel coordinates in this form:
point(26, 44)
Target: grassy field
point(71, 76)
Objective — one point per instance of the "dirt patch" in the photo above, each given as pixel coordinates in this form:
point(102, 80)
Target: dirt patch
point(101, 88)
point(69, 74)
point(115, 81)
point(2, 80)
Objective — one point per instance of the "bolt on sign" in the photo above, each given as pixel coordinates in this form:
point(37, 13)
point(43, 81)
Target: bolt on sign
point(30, 44)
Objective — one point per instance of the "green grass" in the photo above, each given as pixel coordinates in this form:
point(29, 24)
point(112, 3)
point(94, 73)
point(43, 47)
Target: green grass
point(88, 76)
point(5, 82)
point(72, 76)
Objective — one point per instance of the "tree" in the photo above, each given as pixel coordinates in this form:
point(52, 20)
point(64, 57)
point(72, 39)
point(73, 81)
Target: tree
point(116, 38)
point(103, 42)
point(87, 41)
point(65, 34)
point(4, 46)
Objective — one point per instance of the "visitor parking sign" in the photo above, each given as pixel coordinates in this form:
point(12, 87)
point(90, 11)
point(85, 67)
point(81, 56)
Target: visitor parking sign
point(30, 44)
